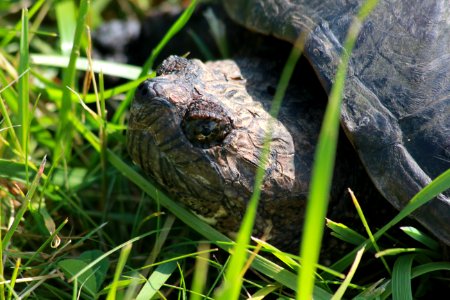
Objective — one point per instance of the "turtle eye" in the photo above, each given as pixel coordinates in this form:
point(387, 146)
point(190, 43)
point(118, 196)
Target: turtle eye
point(202, 131)
point(205, 124)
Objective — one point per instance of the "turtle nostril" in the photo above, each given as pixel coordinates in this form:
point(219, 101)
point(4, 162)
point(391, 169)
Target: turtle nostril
point(142, 89)
point(146, 90)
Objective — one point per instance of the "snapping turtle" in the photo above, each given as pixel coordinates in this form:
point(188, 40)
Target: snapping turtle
point(198, 129)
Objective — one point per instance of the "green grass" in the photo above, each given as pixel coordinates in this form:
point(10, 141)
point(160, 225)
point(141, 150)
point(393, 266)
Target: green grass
point(322, 172)
point(79, 220)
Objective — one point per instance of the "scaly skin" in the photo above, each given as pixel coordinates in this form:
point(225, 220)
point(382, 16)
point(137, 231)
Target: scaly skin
point(214, 175)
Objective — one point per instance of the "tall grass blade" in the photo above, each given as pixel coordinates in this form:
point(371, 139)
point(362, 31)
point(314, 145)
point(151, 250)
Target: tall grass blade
point(324, 164)
point(107, 67)
point(12, 33)
point(234, 273)
point(2, 270)
point(201, 271)
point(14, 278)
point(367, 228)
point(434, 188)
point(173, 30)
point(419, 271)
point(342, 288)
point(218, 32)
point(156, 280)
point(344, 233)
point(401, 278)
point(430, 267)
point(65, 18)
point(23, 89)
point(64, 131)
point(420, 237)
point(124, 253)
point(437, 186)
point(8, 92)
point(24, 206)
point(9, 126)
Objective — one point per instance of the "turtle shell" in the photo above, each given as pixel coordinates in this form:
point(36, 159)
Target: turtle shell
point(396, 106)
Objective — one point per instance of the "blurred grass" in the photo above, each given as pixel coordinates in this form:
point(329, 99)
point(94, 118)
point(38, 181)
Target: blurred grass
point(324, 159)
point(236, 270)
point(23, 88)
point(64, 132)
point(148, 65)
point(61, 233)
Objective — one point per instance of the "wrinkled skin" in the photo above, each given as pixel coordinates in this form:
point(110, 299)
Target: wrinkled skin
point(213, 175)
point(396, 109)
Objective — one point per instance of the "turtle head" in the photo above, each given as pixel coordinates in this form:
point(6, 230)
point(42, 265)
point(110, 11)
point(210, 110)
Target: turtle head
point(198, 133)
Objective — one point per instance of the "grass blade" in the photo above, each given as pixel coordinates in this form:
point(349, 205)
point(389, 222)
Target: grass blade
point(235, 272)
point(173, 30)
point(63, 134)
point(8, 126)
point(33, 10)
point(324, 164)
point(66, 24)
point(124, 253)
point(434, 188)
point(367, 228)
point(50, 239)
point(156, 280)
point(345, 233)
point(14, 278)
point(401, 278)
point(218, 32)
point(2, 273)
point(24, 98)
point(420, 237)
point(100, 258)
point(200, 272)
point(87, 281)
point(24, 206)
point(430, 267)
point(419, 271)
point(341, 290)
point(107, 67)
